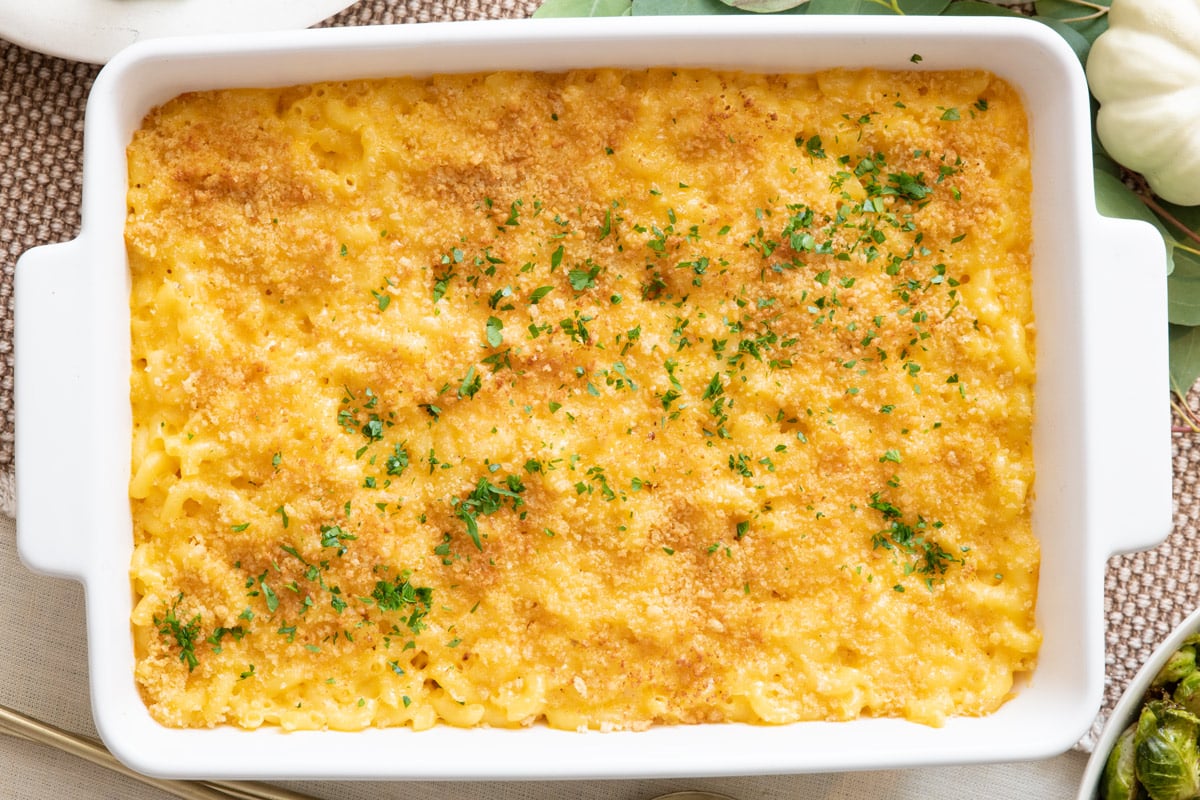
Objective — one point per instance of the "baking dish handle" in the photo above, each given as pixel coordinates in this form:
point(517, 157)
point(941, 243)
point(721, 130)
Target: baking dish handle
point(1128, 384)
point(51, 397)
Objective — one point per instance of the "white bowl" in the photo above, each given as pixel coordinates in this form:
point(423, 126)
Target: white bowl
point(1126, 712)
point(1101, 439)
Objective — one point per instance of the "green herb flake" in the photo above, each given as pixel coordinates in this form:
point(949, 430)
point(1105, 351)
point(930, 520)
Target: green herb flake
point(397, 461)
point(401, 595)
point(714, 389)
point(583, 279)
point(333, 536)
point(441, 283)
point(814, 147)
point(184, 633)
point(492, 331)
point(471, 383)
point(268, 594)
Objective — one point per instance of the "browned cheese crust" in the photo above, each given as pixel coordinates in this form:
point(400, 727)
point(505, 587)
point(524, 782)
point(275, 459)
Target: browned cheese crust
point(606, 399)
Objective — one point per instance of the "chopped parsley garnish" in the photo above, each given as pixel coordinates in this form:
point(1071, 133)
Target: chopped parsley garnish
point(471, 383)
point(910, 187)
point(492, 331)
point(184, 633)
point(583, 279)
point(334, 536)
point(268, 593)
point(814, 147)
point(401, 595)
point(913, 539)
point(486, 499)
point(440, 284)
point(397, 462)
point(714, 388)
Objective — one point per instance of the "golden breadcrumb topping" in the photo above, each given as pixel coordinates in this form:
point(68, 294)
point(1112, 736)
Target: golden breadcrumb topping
point(606, 399)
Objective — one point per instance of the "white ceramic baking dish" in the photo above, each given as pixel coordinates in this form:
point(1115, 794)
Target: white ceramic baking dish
point(1102, 446)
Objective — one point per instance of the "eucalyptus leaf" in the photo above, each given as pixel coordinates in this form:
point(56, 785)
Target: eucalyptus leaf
point(1078, 42)
point(906, 7)
point(930, 8)
point(1182, 247)
point(1103, 163)
point(1086, 21)
point(1115, 199)
point(764, 6)
point(583, 8)
point(976, 8)
point(666, 8)
point(849, 7)
point(1183, 290)
point(1185, 357)
point(1188, 215)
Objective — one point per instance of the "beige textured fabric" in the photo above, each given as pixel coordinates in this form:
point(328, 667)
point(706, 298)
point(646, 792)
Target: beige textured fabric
point(41, 129)
point(1147, 594)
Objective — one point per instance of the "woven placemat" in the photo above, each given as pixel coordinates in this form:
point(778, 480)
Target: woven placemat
point(41, 144)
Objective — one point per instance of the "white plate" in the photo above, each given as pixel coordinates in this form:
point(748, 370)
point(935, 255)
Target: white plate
point(94, 30)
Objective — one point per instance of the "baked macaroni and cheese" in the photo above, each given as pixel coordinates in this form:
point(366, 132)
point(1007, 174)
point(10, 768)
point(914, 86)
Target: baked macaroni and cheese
point(602, 399)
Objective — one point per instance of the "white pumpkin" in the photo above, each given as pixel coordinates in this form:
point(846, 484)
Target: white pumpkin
point(1145, 71)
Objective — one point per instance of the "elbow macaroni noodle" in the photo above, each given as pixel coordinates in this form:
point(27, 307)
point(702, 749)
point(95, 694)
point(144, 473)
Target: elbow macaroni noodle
point(601, 399)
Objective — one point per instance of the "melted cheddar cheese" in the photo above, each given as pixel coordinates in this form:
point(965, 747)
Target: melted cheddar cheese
point(604, 399)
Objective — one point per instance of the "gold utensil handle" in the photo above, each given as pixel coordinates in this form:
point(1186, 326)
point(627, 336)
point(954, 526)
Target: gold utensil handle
point(17, 724)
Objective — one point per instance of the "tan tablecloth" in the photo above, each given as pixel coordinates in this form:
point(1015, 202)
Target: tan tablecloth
point(42, 667)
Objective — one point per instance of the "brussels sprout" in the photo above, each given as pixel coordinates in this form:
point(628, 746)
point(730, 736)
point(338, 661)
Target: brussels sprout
point(1181, 664)
point(1167, 753)
point(1118, 782)
point(1187, 693)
